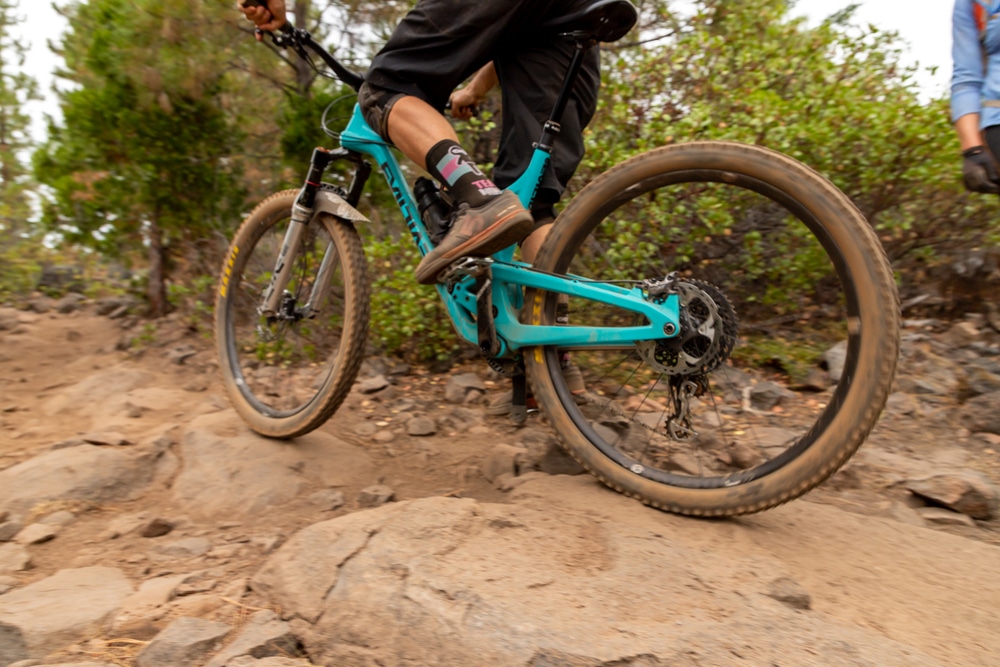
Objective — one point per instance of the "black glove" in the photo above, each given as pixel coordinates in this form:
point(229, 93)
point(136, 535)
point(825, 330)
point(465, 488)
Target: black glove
point(980, 171)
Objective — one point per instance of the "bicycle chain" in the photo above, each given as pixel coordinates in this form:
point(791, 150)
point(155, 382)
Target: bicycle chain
point(676, 427)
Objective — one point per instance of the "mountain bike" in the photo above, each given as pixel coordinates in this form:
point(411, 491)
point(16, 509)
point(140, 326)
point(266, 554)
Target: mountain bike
point(671, 265)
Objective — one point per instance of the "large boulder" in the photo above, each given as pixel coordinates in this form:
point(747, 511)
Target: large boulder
point(96, 389)
point(86, 473)
point(67, 607)
point(229, 470)
point(575, 575)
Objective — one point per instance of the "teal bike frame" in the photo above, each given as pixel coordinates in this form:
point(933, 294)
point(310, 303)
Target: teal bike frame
point(509, 278)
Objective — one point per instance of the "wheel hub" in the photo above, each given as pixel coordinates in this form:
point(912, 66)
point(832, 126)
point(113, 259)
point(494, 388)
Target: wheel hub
point(708, 330)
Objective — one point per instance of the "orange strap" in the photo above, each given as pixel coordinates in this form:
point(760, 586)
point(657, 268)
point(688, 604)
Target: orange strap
point(981, 18)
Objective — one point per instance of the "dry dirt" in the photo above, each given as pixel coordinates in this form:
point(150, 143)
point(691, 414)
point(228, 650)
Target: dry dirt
point(49, 353)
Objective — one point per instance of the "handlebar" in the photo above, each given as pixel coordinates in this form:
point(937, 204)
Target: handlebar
point(288, 36)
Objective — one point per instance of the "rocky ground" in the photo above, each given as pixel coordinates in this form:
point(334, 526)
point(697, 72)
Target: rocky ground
point(142, 524)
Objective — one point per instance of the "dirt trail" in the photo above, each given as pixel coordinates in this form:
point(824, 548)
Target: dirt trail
point(867, 559)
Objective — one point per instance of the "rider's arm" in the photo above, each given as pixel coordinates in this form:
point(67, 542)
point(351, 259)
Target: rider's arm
point(967, 128)
point(464, 100)
point(968, 74)
point(979, 169)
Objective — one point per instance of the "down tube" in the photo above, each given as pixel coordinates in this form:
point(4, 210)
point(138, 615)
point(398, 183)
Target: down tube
point(358, 136)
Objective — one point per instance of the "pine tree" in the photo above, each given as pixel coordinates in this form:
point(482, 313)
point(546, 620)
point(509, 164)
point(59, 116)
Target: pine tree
point(16, 89)
point(19, 248)
point(142, 164)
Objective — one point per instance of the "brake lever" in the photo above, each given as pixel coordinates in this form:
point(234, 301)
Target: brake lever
point(280, 38)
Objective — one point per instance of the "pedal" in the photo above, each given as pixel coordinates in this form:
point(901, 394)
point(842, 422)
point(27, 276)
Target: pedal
point(467, 266)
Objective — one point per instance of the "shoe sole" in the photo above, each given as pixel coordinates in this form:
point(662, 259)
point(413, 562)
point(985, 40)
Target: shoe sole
point(504, 408)
point(502, 233)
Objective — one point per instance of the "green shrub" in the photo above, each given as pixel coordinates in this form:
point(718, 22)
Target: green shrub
point(408, 319)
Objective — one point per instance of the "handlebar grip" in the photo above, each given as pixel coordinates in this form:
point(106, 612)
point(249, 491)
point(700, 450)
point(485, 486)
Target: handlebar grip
point(286, 28)
point(475, 108)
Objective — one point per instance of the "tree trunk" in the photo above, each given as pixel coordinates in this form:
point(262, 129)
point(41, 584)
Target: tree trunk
point(156, 289)
point(303, 73)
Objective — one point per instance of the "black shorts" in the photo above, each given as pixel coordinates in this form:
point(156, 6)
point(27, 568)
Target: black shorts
point(441, 43)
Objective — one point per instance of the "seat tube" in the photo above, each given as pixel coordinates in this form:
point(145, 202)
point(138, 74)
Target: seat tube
point(571, 76)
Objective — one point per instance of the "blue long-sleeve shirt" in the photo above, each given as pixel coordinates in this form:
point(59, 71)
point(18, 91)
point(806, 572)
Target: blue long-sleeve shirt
point(972, 83)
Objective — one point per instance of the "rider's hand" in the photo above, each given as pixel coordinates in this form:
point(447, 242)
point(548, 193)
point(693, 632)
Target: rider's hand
point(268, 18)
point(464, 102)
point(980, 171)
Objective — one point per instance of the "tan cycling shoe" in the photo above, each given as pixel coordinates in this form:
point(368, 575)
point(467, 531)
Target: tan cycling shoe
point(478, 232)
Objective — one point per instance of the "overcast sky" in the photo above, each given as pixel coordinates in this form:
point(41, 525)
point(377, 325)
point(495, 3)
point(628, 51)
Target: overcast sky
point(927, 32)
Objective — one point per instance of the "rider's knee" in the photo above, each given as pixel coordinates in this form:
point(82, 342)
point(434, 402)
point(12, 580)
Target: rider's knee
point(376, 103)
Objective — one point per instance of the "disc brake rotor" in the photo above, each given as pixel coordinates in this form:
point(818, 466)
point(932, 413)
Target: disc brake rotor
point(697, 347)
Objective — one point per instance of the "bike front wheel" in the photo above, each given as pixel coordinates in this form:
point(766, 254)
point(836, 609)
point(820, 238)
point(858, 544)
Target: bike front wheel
point(288, 372)
point(768, 260)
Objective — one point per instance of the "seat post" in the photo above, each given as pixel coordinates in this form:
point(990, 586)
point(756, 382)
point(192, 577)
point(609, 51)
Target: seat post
point(552, 126)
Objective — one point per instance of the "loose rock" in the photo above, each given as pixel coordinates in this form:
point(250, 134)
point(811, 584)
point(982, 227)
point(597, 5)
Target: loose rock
point(375, 496)
point(258, 474)
point(60, 518)
point(54, 612)
point(188, 547)
point(834, 359)
point(421, 426)
point(502, 460)
point(264, 636)
point(9, 529)
point(981, 414)
point(328, 499)
point(69, 303)
point(766, 395)
point(545, 454)
point(140, 611)
point(790, 592)
point(157, 528)
point(186, 641)
point(250, 661)
point(36, 533)
point(86, 473)
point(13, 558)
point(180, 354)
point(373, 385)
point(968, 492)
point(365, 429)
point(459, 387)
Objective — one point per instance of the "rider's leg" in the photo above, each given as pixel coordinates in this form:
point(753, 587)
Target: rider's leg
point(488, 220)
point(531, 79)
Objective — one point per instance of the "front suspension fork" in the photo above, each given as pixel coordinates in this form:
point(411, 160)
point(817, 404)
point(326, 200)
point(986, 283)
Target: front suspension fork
point(302, 214)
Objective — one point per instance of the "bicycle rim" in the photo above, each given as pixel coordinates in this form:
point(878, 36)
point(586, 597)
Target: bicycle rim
point(773, 266)
point(287, 373)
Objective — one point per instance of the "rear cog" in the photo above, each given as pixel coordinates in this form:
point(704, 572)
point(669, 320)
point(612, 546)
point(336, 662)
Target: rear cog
point(708, 332)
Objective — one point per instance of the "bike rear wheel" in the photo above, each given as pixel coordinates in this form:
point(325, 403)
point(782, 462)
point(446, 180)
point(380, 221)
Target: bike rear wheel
point(287, 375)
point(769, 255)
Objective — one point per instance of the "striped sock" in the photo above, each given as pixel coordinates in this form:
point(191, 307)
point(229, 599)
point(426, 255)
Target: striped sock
point(454, 169)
